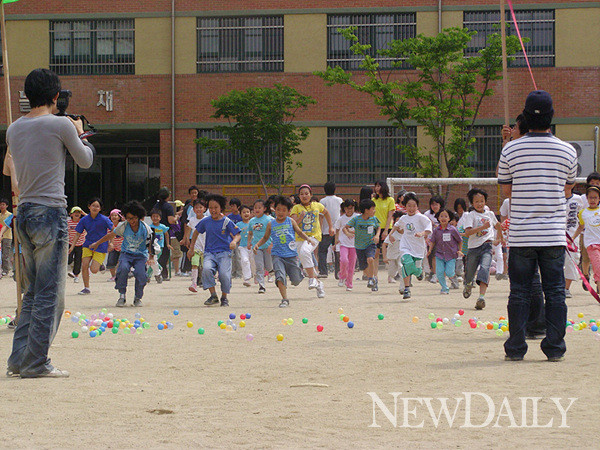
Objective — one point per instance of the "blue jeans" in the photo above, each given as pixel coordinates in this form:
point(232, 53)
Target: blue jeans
point(443, 268)
point(214, 262)
point(44, 237)
point(479, 257)
point(126, 262)
point(522, 264)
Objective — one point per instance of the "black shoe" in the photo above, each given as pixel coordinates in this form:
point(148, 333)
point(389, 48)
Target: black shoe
point(420, 277)
point(12, 324)
point(374, 287)
point(406, 293)
point(261, 290)
point(480, 304)
point(224, 301)
point(102, 268)
point(583, 284)
point(212, 300)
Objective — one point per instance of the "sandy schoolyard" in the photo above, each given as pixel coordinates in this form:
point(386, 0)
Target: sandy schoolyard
point(176, 388)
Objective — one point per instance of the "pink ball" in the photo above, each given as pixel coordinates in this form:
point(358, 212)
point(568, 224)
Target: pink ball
point(461, 311)
point(319, 328)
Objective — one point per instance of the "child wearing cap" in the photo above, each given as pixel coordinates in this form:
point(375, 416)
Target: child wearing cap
point(75, 255)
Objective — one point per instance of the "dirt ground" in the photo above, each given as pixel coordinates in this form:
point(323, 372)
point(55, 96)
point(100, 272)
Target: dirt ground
point(176, 388)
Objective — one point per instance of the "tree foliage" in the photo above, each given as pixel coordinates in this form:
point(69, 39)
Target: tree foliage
point(261, 121)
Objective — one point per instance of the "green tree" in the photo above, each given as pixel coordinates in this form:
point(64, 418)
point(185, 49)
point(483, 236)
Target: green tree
point(443, 94)
point(261, 121)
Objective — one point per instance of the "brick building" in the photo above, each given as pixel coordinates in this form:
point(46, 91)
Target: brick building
point(117, 58)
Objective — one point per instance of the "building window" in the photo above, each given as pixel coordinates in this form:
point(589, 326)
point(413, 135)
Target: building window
point(377, 30)
point(366, 154)
point(537, 25)
point(486, 150)
point(225, 167)
point(92, 47)
point(240, 44)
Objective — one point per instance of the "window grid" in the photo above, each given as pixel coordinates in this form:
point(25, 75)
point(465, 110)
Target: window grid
point(486, 150)
point(92, 47)
point(240, 44)
point(377, 30)
point(364, 154)
point(225, 168)
point(537, 25)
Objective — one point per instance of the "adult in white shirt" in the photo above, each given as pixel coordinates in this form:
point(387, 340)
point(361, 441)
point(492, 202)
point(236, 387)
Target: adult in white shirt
point(332, 204)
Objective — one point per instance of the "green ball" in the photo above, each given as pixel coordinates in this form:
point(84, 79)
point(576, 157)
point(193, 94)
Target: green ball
point(99, 331)
point(458, 323)
point(495, 326)
point(433, 324)
point(74, 334)
point(219, 323)
point(305, 320)
point(380, 316)
point(431, 316)
point(200, 330)
point(146, 325)
point(115, 330)
point(341, 316)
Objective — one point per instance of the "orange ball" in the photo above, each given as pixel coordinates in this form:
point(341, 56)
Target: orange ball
point(346, 319)
point(490, 326)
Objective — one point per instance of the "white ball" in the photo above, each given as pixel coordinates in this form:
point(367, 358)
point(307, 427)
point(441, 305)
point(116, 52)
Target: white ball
point(84, 329)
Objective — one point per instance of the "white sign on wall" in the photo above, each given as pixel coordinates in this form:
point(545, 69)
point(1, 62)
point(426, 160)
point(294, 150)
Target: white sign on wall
point(586, 157)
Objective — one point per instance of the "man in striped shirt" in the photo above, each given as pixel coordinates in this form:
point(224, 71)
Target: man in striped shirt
point(533, 172)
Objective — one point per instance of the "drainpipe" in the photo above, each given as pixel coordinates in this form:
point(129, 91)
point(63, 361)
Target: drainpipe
point(596, 139)
point(173, 98)
point(439, 16)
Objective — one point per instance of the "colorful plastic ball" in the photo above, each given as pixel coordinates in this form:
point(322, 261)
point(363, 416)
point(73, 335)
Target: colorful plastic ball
point(576, 327)
point(242, 316)
point(176, 312)
point(249, 337)
point(93, 334)
point(499, 332)
point(473, 324)
point(74, 334)
point(495, 326)
point(138, 315)
point(458, 323)
point(446, 321)
point(570, 329)
point(380, 316)
point(222, 326)
point(461, 311)
point(200, 330)
point(431, 316)
point(319, 328)
point(84, 329)
point(219, 323)
point(242, 324)
point(305, 320)
point(67, 314)
point(342, 316)
point(594, 328)
point(350, 324)
point(280, 337)
point(126, 330)
point(248, 316)
point(110, 324)
point(341, 311)
point(161, 326)
point(139, 330)
point(580, 315)
point(440, 325)
point(283, 321)
point(232, 316)
point(433, 324)
point(228, 328)
point(146, 325)
point(346, 319)
point(415, 319)
point(504, 328)
point(489, 326)
point(115, 330)
point(104, 310)
point(190, 324)
point(290, 321)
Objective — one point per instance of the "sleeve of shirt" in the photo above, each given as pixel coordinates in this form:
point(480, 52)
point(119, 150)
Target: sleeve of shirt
point(456, 236)
point(120, 229)
point(504, 176)
point(168, 209)
point(580, 217)
point(468, 221)
point(295, 209)
point(233, 228)
point(80, 225)
point(320, 207)
point(352, 222)
point(108, 223)
point(82, 154)
point(427, 224)
point(201, 226)
point(493, 220)
point(391, 205)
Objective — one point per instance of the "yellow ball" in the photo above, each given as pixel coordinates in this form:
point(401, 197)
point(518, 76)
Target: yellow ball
point(223, 326)
point(280, 337)
point(242, 324)
point(415, 319)
point(190, 324)
point(229, 328)
point(290, 321)
point(580, 315)
point(122, 325)
point(341, 311)
point(583, 325)
point(504, 328)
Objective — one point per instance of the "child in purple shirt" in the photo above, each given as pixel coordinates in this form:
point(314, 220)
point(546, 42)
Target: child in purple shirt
point(447, 241)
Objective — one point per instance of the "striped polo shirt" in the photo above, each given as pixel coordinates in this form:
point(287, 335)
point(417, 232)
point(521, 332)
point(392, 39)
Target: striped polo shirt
point(538, 166)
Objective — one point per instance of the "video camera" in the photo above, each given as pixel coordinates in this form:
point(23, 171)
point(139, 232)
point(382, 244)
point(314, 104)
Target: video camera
point(63, 103)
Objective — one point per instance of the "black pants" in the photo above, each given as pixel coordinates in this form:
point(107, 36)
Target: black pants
point(164, 261)
point(326, 242)
point(75, 258)
point(187, 263)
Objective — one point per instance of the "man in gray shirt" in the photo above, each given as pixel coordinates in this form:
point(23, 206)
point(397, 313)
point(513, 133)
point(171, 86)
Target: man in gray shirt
point(38, 143)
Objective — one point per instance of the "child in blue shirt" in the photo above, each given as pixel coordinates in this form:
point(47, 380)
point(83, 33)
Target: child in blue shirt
point(222, 236)
point(262, 255)
point(244, 226)
point(285, 254)
point(96, 226)
point(135, 251)
point(161, 232)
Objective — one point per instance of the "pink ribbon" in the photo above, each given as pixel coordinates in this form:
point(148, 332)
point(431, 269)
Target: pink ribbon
point(514, 18)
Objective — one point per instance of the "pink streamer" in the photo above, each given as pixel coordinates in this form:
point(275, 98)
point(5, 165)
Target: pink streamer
point(514, 18)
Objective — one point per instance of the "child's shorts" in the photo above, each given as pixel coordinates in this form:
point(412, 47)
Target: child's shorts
point(287, 266)
point(96, 256)
point(362, 254)
point(198, 259)
point(176, 252)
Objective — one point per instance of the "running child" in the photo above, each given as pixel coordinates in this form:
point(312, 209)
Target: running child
point(574, 205)
point(366, 236)
point(391, 251)
point(262, 256)
point(589, 219)
point(414, 228)
point(96, 226)
point(285, 256)
point(384, 210)
point(76, 255)
point(306, 215)
point(222, 236)
point(197, 259)
point(136, 249)
point(114, 246)
point(245, 253)
point(436, 203)
point(346, 244)
point(479, 228)
point(161, 233)
point(446, 241)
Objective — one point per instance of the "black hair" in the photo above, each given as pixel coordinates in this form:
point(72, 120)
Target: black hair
point(437, 199)
point(134, 208)
point(163, 194)
point(460, 202)
point(96, 199)
point(366, 192)
point(521, 123)
point(365, 204)
point(243, 207)
point(473, 192)
point(199, 201)
point(592, 188)
point(282, 200)
point(296, 198)
point(397, 215)
point(3, 200)
point(329, 188)
point(592, 176)
point(235, 201)
point(155, 211)
point(454, 216)
point(222, 201)
point(450, 213)
point(262, 202)
point(401, 194)
point(193, 188)
point(538, 122)
point(41, 86)
point(384, 190)
point(202, 193)
point(410, 196)
point(347, 203)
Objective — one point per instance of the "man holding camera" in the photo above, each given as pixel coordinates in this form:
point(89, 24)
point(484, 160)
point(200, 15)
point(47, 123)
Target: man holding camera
point(37, 142)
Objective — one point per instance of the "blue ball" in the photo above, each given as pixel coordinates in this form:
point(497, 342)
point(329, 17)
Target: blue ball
point(137, 322)
point(594, 328)
point(232, 316)
point(350, 324)
point(248, 315)
point(93, 334)
point(176, 312)
point(161, 326)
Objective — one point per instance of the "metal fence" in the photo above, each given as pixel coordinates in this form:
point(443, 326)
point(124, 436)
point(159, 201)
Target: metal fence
point(240, 44)
point(365, 154)
point(537, 25)
point(92, 47)
point(377, 30)
point(224, 167)
point(486, 150)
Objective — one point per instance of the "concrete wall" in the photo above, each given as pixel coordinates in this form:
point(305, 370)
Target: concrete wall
point(305, 42)
point(152, 46)
point(577, 37)
point(28, 46)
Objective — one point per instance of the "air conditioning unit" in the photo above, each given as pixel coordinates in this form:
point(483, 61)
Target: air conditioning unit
point(586, 157)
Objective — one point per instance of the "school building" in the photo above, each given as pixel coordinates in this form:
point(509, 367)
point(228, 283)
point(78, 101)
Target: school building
point(144, 72)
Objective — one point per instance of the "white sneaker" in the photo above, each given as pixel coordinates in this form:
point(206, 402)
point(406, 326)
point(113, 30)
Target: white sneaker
point(348, 288)
point(320, 290)
point(568, 294)
point(76, 280)
point(270, 279)
point(313, 283)
point(341, 282)
point(391, 280)
point(433, 278)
